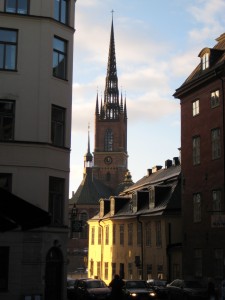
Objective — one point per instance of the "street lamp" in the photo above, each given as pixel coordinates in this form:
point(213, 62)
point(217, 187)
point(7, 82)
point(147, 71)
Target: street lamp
point(76, 225)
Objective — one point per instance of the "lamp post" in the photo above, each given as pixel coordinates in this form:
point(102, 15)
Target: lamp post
point(76, 225)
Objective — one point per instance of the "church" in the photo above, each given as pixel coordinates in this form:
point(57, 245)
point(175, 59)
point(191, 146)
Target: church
point(106, 169)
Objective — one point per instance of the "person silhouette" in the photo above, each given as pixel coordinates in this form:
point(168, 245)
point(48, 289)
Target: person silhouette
point(116, 287)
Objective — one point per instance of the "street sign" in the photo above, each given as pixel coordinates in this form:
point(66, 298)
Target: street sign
point(76, 226)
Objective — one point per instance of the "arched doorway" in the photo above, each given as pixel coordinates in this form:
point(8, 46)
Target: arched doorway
point(53, 274)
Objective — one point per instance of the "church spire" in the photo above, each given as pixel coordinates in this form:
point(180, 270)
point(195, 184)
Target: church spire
point(111, 94)
point(88, 156)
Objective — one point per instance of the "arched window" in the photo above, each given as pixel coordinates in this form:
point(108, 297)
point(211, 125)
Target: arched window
point(109, 140)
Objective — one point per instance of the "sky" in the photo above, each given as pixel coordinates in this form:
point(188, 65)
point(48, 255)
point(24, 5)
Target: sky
point(157, 44)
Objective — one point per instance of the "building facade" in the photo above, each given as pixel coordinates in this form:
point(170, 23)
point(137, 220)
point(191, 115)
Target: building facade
point(203, 165)
point(36, 54)
point(138, 233)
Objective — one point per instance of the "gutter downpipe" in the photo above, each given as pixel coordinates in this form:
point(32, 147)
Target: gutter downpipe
point(102, 247)
point(142, 248)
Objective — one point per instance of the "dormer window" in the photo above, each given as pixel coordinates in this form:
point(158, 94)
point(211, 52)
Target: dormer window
point(205, 61)
point(151, 198)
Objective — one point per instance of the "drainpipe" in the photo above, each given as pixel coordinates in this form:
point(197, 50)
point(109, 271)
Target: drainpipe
point(102, 247)
point(142, 248)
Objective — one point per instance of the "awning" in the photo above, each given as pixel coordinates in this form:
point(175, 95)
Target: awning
point(18, 213)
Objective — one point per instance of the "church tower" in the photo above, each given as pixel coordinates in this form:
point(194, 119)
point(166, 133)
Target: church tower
point(110, 149)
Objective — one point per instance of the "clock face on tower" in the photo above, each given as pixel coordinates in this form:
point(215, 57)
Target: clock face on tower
point(108, 160)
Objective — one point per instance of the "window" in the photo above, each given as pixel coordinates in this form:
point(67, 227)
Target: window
point(7, 117)
point(113, 269)
point(148, 234)
point(6, 181)
point(130, 271)
point(198, 262)
point(56, 199)
point(205, 61)
point(4, 268)
point(197, 208)
point(114, 234)
point(216, 143)
point(108, 140)
point(130, 234)
point(92, 235)
point(98, 269)
point(59, 58)
point(149, 271)
point(121, 234)
point(16, 6)
point(139, 234)
point(106, 270)
point(107, 235)
point(58, 126)
point(216, 201)
point(158, 234)
point(8, 49)
point(99, 235)
point(61, 11)
point(195, 108)
point(84, 232)
point(91, 267)
point(196, 150)
point(214, 98)
point(218, 263)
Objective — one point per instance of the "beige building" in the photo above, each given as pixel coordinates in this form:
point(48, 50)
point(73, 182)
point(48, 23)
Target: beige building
point(138, 233)
point(36, 59)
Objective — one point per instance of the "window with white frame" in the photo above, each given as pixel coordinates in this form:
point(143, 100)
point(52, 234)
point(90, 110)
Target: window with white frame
point(197, 209)
point(8, 49)
point(214, 100)
point(196, 150)
point(216, 143)
point(216, 201)
point(99, 235)
point(130, 234)
point(195, 108)
point(92, 235)
point(98, 269)
point(106, 270)
point(205, 61)
point(121, 234)
point(106, 234)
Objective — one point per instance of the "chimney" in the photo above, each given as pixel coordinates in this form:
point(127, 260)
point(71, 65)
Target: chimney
point(176, 161)
point(168, 163)
point(156, 168)
point(149, 172)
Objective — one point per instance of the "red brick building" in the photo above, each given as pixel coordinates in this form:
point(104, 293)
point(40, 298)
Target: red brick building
point(203, 165)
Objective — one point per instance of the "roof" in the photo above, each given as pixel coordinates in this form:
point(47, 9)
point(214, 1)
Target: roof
point(18, 213)
point(167, 193)
point(217, 59)
point(90, 190)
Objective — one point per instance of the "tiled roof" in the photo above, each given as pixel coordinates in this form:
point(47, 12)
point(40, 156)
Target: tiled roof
point(217, 57)
point(90, 190)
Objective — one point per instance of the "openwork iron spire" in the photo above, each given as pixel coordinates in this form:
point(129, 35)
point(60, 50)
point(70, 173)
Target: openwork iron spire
point(111, 108)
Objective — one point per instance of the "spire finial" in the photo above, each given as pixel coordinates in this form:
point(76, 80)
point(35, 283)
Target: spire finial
point(112, 12)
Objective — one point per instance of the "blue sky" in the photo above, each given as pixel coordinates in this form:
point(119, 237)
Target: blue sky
point(157, 45)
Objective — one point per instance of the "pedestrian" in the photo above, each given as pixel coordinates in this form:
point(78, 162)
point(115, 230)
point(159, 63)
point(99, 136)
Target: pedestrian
point(116, 288)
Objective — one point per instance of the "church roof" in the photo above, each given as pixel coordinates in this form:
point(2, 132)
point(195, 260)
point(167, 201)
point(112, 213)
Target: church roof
point(90, 190)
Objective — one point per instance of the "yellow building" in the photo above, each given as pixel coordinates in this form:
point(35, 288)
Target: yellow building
point(138, 233)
